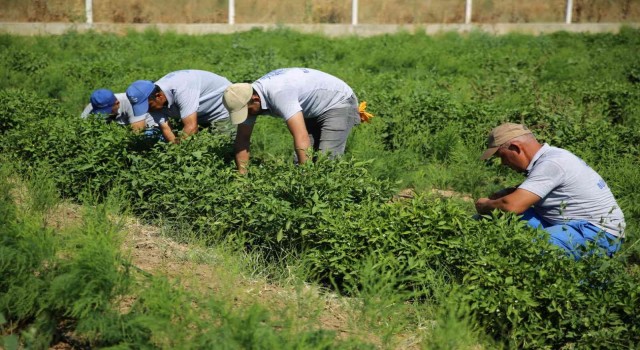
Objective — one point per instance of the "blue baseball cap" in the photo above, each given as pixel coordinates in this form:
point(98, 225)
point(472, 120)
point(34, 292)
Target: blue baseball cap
point(102, 101)
point(138, 94)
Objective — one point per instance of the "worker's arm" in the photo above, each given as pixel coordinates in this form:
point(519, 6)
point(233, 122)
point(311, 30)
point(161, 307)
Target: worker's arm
point(517, 201)
point(503, 192)
point(168, 133)
point(190, 124)
point(242, 146)
point(300, 135)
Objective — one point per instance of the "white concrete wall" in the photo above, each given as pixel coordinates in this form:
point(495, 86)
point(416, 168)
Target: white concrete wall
point(331, 30)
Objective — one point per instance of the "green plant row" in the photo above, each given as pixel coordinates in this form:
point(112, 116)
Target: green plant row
point(75, 286)
point(333, 216)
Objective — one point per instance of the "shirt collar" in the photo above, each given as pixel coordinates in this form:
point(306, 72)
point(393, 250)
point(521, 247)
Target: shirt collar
point(168, 93)
point(263, 102)
point(121, 109)
point(545, 147)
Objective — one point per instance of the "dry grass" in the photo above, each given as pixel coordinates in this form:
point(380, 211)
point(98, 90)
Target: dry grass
point(318, 11)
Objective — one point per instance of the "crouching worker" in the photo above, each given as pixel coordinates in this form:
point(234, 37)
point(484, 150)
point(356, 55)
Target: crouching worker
point(194, 96)
point(560, 194)
point(116, 108)
point(320, 110)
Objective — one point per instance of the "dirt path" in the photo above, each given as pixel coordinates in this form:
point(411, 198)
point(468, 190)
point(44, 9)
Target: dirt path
point(409, 193)
point(201, 270)
point(312, 306)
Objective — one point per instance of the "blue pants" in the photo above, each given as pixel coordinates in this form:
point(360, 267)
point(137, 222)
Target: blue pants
point(153, 134)
point(572, 234)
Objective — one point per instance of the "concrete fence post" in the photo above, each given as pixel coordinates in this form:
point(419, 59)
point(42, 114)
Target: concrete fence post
point(354, 12)
point(467, 12)
point(88, 10)
point(232, 12)
point(567, 18)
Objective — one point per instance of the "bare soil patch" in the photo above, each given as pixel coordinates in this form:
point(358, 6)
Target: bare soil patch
point(155, 254)
point(409, 193)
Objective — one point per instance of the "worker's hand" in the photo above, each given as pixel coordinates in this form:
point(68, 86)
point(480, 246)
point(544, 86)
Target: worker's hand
point(243, 168)
point(482, 206)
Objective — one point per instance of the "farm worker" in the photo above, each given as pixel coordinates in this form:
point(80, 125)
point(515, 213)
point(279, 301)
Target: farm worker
point(116, 108)
point(319, 110)
point(195, 96)
point(560, 194)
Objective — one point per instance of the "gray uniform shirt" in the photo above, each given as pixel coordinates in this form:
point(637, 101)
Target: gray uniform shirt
point(190, 91)
point(287, 91)
point(570, 190)
point(125, 113)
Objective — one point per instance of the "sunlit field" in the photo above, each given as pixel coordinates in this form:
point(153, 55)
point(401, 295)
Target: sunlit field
point(342, 259)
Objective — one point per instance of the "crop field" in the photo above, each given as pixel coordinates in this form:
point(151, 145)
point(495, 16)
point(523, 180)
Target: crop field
point(419, 271)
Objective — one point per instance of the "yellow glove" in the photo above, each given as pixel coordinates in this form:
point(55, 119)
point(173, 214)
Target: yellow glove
point(364, 115)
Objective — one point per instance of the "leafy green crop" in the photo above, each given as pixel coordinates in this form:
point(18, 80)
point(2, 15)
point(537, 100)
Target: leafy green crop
point(434, 100)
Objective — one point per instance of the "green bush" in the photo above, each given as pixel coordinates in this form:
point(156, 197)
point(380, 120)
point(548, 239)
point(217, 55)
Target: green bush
point(21, 107)
point(25, 251)
point(50, 278)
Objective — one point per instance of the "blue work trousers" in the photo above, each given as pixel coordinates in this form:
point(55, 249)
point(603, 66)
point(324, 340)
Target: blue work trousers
point(573, 234)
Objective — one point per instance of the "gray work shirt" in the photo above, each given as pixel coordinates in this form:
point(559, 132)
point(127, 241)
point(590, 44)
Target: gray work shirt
point(193, 91)
point(570, 190)
point(287, 91)
point(125, 113)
